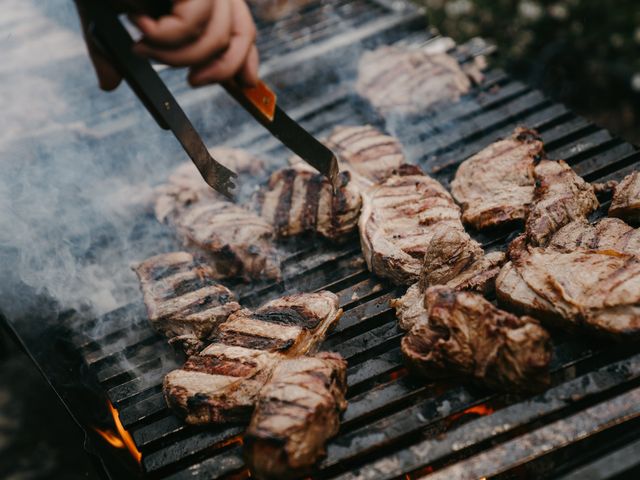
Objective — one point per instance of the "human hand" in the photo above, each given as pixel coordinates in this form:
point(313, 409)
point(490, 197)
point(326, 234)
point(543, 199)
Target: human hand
point(214, 38)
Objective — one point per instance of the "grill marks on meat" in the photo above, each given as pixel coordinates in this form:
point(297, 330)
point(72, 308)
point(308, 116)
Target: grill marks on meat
point(466, 335)
point(626, 199)
point(184, 302)
point(407, 80)
point(399, 218)
point(606, 234)
point(560, 197)
point(496, 185)
point(297, 201)
point(238, 240)
point(298, 411)
point(224, 386)
point(595, 289)
point(447, 264)
point(366, 151)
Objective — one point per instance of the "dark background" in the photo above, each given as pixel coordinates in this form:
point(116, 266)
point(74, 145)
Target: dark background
point(582, 52)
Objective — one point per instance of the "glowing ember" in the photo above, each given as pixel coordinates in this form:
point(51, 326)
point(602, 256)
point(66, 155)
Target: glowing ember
point(480, 410)
point(121, 439)
point(397, 374)
point(419, 473)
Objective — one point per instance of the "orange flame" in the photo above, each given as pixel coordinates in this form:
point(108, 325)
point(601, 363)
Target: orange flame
point(122, 439)
point(480, 410)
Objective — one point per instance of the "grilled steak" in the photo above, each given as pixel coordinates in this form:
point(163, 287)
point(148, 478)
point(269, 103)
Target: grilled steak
point(595, 289)
point(453, 260)
point(399, 218)
point(626, 199)
point(297, 412)
point(408, 80)
point(222, 382)
point(560, 197)
point(271, 10)
point(495, 186)
point(606, 234)
point(183, 299)
point(466, 335)
point(297, 201)
point(366, 151)
point(238, 240)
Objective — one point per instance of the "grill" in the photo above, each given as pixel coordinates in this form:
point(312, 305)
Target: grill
point(396, 426)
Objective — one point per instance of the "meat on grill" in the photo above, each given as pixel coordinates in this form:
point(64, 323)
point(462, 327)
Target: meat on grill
point(595, 289)
point(366, 151)
point(222, 382)
point(271, 10)
point(409, 80)
point(399, 218)
point(467, 336)
point(183, 299)
point(298, 200)
point(606, 234)
point(238, 240)
point(495, 186)
point(560, 197)
point(297, 412)
point(452, 259)
point(626, 199)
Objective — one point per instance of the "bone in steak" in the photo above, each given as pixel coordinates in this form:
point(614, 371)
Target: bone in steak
point(271, 10)
point(495, 186)
point(298, 200)
point(595, 289)
point(560, 197)
point(468, 336)
point(606, 234)
point(222, 382)
point(408, 80)
point(238, 240)
point(297, 412)
point(399, 218)
point(626, 199)
point(184, 302)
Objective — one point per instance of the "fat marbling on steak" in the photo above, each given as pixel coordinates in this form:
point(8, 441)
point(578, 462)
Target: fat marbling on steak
point(238, 240)
point(496, 185)
point(605, 234)
point(298, 410)
point(626, 199)
point(184, 301)
point(467, 336)
point(410, 80)
point(598, 290)
point(298, 200)
point(560, 197)
point(222, 382)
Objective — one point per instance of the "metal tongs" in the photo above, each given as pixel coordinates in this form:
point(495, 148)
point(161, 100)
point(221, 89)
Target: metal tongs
point(111, 35)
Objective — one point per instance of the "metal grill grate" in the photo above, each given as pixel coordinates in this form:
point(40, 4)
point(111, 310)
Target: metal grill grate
point(396, 424)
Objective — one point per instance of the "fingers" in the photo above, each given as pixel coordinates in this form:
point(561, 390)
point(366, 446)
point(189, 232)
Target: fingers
point(214, 40)
point(241, 58)
point(187, 21)
point(248, 75)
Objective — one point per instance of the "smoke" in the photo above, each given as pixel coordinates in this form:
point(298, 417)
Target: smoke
point(78, 168)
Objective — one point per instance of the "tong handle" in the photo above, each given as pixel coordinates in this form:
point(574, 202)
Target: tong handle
point(259, 100)
point(114, 39)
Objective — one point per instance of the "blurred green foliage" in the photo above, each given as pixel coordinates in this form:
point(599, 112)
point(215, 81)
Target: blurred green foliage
point(583, 52)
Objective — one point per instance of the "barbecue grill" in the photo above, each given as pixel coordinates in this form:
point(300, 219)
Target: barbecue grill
point(396, 426)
